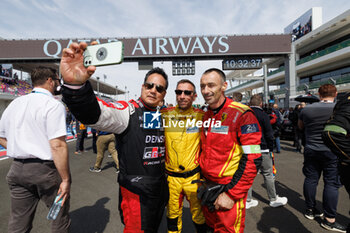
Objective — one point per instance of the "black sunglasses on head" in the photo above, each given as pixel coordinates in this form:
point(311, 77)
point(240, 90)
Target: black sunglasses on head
point(179, 92)
point(159, 88)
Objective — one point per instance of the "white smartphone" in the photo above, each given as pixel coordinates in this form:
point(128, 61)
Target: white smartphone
point(104, 54)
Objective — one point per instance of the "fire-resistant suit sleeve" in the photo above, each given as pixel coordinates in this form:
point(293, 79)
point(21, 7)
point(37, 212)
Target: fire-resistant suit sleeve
point(94, 112)
point(249, 137)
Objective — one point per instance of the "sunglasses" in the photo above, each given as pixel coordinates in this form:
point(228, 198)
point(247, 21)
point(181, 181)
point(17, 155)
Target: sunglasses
point(179, 92)
point(159, 88)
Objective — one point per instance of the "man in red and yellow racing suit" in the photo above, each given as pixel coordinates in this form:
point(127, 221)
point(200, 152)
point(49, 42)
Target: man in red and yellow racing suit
point(230, 153)
point(182, 141)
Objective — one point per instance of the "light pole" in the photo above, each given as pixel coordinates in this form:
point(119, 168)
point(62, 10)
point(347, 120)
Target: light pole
point(116, 92)
point(104, 78)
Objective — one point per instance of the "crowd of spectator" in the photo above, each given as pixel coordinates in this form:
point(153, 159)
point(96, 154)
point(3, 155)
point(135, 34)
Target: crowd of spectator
point(276, 121)
point(15, 87)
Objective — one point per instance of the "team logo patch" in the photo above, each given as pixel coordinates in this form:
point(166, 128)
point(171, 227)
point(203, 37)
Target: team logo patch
point(220, 130)
point(119, 105)
point(192, 130)
point(151, 120)
point(153, 152)
point(223, 117)
point(150, 153)
point(251, 128)
point(136, 179)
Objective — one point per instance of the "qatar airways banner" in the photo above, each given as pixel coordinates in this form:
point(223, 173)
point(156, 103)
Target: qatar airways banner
point(157, 47)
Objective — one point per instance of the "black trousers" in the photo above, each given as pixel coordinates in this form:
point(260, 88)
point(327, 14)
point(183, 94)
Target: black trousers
point(140, 213)
point(340, 145)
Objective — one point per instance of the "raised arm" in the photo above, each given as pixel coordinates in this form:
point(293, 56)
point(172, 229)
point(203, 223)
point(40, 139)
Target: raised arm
point(72, 68)
point(80, 98)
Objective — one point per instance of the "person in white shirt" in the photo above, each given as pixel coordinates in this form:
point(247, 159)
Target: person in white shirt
point(33, 129)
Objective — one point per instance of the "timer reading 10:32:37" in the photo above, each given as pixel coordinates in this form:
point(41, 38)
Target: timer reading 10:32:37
point(242, 63)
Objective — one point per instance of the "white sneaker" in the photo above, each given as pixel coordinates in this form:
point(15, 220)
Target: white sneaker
point(251, 203)
point(280, 201)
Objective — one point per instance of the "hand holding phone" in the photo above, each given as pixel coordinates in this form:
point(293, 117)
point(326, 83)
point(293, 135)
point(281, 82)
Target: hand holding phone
point(79, 61)
point(104, 54)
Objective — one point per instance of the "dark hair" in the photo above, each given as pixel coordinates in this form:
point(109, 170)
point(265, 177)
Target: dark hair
point(40, 74)
point(158, 70)
point(327, 90)
point(237, 96)
point(187, 81)
point(222, 74)
point(255, 100)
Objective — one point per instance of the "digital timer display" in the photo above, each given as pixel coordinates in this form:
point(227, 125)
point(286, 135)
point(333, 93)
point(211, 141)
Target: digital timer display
point(243, 63)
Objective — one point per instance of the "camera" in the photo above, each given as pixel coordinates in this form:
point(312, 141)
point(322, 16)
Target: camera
point(104, 54)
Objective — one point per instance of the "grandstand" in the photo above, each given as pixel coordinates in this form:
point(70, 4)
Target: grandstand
point(11, 89)
point(16, 88)
point(318, 57)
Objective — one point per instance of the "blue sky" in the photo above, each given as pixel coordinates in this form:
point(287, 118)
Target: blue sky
point(30, 19)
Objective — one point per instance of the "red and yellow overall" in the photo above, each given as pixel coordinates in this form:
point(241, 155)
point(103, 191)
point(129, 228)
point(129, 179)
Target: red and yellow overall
point(231, 156)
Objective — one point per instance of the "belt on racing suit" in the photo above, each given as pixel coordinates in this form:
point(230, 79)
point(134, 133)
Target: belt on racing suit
point(184, 174)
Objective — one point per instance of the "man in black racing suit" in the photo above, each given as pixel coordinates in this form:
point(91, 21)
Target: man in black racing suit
point(143, 192)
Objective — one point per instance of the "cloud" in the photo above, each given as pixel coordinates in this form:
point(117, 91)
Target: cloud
point(110, 18)
point(153, 18)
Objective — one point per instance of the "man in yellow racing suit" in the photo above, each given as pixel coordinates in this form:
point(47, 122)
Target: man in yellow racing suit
point(182, 140)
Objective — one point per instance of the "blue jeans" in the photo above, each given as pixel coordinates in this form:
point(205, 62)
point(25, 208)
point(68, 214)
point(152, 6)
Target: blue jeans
point(81, 135)
point(316, 162)
point(278, 144)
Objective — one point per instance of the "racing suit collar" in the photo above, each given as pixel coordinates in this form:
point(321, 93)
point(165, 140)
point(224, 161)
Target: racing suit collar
point(143, 104)
point(183, 111)
point(215, 111)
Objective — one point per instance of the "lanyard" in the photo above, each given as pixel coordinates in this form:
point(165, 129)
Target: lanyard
point(39, 92)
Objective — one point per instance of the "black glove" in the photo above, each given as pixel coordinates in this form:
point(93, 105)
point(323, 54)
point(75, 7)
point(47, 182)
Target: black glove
point(208, 192)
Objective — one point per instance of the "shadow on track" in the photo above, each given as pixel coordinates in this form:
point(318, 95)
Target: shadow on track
point(91, 219)
point(280, 218)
